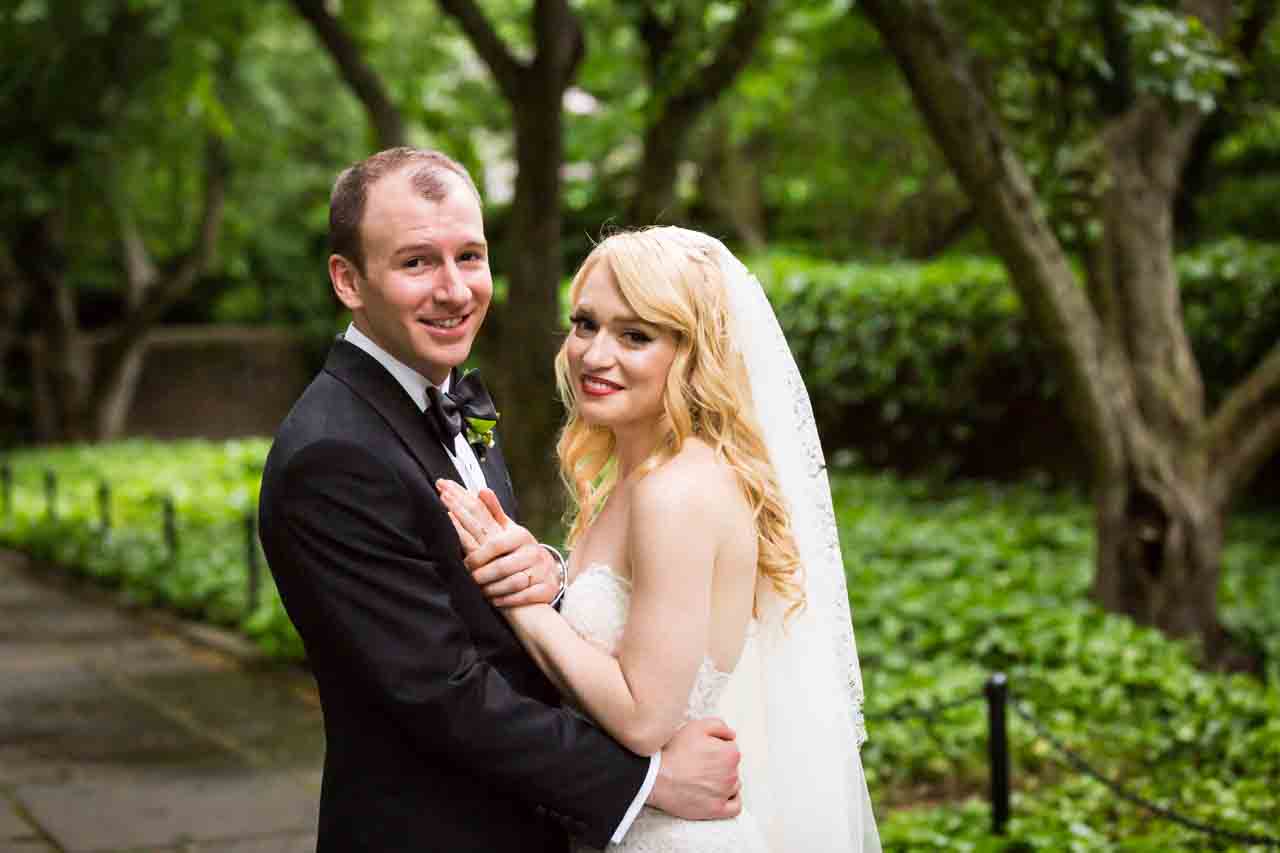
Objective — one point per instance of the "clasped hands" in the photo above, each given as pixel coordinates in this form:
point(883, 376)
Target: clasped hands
point(504, 558)
point(698, 776)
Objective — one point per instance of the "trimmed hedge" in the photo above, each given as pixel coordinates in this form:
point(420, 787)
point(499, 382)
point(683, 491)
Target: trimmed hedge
point(933, 367)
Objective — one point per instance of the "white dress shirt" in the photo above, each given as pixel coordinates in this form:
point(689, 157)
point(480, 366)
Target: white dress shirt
point(464, 458)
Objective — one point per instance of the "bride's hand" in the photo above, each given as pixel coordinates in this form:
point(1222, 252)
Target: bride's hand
point(503, 557)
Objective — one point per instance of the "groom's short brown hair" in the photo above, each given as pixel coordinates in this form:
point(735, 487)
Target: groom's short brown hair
point(351, 190)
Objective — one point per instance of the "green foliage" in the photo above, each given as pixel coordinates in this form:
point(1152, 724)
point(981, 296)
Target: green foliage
point(213, 486)
point(1177, 58)
point(946, 583)
point(934, 365)
point(908, 364)
point(841, 157)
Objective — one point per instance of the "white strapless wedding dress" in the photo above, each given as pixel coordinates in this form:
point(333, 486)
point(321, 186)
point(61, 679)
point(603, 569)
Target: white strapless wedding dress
point(596, 604)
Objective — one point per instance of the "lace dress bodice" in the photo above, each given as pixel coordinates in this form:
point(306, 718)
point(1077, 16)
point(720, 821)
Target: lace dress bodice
point(596, 604)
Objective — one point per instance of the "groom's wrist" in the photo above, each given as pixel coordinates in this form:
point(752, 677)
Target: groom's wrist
point(563, 568)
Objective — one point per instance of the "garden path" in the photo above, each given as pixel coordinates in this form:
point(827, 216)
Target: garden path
point(124, 731)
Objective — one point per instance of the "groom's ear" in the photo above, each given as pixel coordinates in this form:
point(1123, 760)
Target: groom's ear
point(346, 282)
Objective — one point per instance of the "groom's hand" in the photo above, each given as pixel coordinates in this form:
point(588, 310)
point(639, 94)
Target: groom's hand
point(698, 776)
point(503, 557)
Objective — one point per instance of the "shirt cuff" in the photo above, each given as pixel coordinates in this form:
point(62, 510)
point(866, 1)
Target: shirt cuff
point(630, 817)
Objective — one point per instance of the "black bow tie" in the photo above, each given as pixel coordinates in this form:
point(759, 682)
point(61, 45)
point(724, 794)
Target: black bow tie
point(465, 407)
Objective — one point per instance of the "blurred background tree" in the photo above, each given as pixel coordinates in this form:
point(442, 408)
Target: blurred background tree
point(1075, 139)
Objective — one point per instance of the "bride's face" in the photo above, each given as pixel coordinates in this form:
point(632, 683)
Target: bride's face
point(618, 362)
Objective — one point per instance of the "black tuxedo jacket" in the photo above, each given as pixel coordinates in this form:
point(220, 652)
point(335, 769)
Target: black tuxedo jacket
point(441, 733)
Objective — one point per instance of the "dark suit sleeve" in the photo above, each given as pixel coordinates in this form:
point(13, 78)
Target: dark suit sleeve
point(350, 527)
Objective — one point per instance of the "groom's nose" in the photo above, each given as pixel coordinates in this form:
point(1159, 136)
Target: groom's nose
point(449, 285)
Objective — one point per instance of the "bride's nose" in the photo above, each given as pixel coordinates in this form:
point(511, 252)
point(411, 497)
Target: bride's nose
point(601, 352)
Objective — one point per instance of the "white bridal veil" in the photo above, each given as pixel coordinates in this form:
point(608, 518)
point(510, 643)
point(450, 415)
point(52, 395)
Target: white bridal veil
point(796, 695)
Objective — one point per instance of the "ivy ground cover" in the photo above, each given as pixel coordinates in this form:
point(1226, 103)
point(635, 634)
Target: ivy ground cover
point(951, 584)
point(948, 584)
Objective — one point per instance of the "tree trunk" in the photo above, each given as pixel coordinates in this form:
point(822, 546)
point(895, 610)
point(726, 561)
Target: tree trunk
point(62, 368)
point(729, 184)
point(82, 386)
point(1160, 563)
point(1159, 524)
point(655, 194)
point(13, 297)
point(523, 337)
point(666, 138)
point(1163, 474)
point(115, 398)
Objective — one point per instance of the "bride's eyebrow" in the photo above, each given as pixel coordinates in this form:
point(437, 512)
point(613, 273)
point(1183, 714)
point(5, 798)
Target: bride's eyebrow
point(586, 312)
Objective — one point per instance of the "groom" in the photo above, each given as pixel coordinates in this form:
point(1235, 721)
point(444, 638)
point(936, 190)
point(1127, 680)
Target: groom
point(441, 733)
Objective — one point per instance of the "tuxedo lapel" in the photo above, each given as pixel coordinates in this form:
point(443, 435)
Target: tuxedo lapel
point(361, 372)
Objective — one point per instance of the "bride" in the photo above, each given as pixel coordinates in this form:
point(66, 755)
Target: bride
point(706, 577)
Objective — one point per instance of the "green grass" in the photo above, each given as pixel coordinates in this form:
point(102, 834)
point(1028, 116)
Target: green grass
point(947, 584)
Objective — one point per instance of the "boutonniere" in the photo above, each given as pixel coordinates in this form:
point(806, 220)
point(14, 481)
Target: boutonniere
point(479, 432)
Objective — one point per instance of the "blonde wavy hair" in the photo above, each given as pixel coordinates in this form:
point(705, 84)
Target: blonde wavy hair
point(670, 278)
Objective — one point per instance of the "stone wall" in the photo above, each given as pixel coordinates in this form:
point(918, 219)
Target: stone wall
point(218, 381)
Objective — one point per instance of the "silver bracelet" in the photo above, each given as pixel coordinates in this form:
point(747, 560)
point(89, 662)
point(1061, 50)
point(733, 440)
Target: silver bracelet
point(564, 574)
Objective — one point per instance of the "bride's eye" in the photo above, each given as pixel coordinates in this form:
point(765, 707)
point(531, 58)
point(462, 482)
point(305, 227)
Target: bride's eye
point(636, 337)
point(582, 323)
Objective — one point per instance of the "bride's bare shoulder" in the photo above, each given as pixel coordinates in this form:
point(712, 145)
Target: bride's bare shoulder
point(695, 484)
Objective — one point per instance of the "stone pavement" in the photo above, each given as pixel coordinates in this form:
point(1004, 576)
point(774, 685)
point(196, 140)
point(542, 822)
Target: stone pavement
point(123, 731)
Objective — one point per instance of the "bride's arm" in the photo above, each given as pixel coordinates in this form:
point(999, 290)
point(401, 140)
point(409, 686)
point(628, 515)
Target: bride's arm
point(640, 696)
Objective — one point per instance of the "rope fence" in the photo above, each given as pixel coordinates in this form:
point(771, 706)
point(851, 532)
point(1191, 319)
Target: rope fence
point(996, 692)
point(999, 700)
point(168, 524)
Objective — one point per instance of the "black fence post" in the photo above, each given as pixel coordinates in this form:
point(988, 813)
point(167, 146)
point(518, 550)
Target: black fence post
point(997, 690)
point(254, 576)
point(104, 507)
point(170, 526)
point(51, 493)
point(6, 485)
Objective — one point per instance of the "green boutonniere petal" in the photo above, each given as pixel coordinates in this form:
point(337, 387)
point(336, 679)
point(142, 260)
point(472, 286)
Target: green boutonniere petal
point(480, 430)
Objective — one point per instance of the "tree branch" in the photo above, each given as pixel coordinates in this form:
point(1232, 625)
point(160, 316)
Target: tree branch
point(385, 117)
point(664, 137)
point(140, 270)
point(13, 297)
point(1245, 430)
point(735, 52)
point(657, 38)
point(1117, 93)
point(506, 69)
point(558, 34)
point(973, 139)
point(171, 287)
point(1195, 177)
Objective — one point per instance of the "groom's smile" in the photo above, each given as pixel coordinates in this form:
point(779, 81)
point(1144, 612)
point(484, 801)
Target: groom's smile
point(426, 286)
